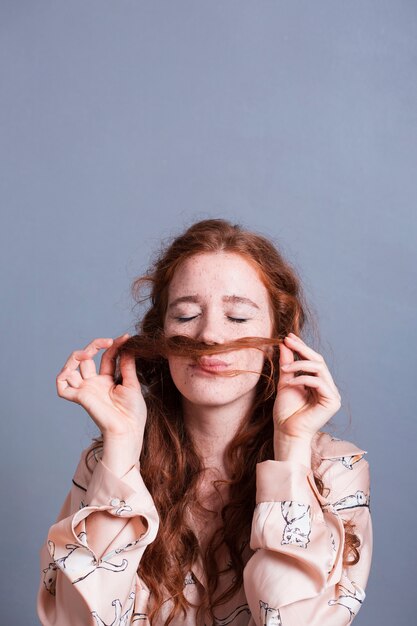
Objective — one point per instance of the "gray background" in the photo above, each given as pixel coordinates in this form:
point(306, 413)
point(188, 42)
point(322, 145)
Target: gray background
point(124, 121)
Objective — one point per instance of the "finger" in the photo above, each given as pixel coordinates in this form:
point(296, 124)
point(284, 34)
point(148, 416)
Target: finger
point(72, 378)
point(286, 355)
point(88, 366)
point(316, 367)
point(73, 361)
point(297, 344)
point(67, 385)
point(108, 359)
point(313, 381)
point(68, 393)
point(128, 372)
point(98, 344)
point(92, 348)
point(75, 380)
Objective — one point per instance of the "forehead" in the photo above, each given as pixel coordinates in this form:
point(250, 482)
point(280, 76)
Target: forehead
point(217, 273)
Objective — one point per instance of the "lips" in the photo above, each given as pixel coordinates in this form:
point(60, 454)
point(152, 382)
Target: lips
point(208, 364)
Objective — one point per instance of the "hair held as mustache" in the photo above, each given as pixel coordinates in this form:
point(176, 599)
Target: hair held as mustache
point(152, 350)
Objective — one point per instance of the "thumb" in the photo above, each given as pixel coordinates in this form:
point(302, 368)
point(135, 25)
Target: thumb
point(286, 355)
point(128, 372)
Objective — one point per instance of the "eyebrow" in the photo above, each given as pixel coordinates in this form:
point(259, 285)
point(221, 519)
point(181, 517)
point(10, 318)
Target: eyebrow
point(196, 299)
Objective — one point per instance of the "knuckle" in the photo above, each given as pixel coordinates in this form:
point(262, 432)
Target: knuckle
point(91, 345)
point(338, 401)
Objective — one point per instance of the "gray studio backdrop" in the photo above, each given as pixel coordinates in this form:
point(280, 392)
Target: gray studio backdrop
point(122, 122)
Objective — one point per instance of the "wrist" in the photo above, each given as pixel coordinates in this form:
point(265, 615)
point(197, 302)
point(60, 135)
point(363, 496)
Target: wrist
point(131, 438)
point(290, 448)
point(121, 453)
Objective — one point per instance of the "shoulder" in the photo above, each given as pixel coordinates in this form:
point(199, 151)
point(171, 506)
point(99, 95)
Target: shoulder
point(341, 465)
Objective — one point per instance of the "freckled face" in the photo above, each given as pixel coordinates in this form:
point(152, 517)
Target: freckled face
point(214, 298)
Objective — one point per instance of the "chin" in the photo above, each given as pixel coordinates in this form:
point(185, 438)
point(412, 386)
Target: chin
point(207, 389)
point(217, 395)
point(210, 400)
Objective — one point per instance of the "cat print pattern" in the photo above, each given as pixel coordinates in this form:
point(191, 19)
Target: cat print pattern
point(78, 557)
point(352, 501)
point(269, 616)
point(349, 461)
point(351, 599)
point(298, 523)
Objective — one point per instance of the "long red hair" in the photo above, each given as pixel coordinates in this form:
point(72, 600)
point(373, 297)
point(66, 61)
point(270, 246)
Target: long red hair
point(170, 465)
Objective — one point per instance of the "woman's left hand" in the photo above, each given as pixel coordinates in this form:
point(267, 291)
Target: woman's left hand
point(294, 417)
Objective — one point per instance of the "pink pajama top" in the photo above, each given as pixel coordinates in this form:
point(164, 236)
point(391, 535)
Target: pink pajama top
point(293, 575)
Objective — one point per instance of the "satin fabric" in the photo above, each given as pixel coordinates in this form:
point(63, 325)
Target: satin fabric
point(294, 574)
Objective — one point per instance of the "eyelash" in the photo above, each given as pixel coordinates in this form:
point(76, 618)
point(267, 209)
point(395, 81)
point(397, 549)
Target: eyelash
point(236, 320)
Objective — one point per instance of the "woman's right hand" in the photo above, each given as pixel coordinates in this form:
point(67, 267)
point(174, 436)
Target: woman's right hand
point(118, 410)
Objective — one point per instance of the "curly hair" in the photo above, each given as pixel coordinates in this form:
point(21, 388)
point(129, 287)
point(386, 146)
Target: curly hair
point(170, 465)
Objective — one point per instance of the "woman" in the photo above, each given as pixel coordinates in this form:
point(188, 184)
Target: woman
point(212, 496)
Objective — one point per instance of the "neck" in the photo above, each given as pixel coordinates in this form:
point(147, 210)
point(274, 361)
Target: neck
point(212, 428)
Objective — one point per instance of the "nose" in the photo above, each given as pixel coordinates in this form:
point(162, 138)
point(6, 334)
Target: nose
point(210, 330)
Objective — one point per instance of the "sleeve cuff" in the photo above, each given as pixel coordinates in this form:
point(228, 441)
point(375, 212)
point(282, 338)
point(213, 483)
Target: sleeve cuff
point(278, 481)
point(126, 496)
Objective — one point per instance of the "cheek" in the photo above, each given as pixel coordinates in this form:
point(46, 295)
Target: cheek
point(176, 367)
point(252, 360)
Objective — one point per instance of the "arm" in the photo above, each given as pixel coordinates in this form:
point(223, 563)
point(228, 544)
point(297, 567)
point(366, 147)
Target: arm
point(296, 574)
point(91, 554)
point(81, 585)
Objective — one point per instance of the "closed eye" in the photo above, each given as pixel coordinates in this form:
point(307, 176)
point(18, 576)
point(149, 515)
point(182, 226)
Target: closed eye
point(237, 320)
point(185, 319)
